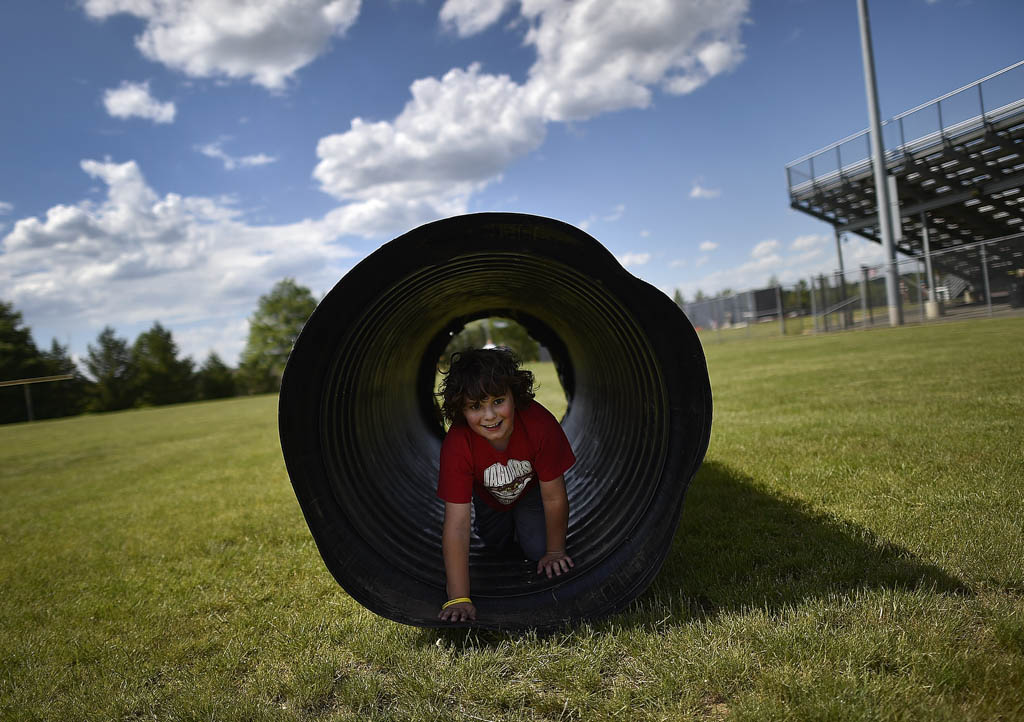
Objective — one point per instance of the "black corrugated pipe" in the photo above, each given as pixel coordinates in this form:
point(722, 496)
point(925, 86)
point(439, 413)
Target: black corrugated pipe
point(361, 433)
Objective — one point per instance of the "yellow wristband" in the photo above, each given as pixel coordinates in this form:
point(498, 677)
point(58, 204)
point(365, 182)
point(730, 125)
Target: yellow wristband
point(457, 600)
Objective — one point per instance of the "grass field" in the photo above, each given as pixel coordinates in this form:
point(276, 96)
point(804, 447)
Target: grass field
point(853, 548)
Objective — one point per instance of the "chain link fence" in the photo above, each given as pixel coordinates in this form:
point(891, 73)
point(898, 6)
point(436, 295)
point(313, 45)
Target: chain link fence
point(977, 280)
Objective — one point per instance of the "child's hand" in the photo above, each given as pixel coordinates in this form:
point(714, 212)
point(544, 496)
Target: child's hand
point(554, 563)
point(462, 612)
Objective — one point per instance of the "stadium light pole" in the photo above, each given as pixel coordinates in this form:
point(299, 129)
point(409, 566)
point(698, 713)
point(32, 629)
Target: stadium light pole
point(881, 182)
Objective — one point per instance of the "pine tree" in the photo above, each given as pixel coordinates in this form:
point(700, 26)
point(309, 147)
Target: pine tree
point(60, 398)
point(110, 365)
point(214, 379)
point(160, 376)
point(19, 359)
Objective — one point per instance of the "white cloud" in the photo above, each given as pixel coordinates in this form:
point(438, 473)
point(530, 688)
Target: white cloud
point(806, 242)
point(596, 56)
point(645, 233)
point(133, 100)
point(812, 257)
point(266, 41)
point(138, 256)
point(678, 263)
point(458, 133)
point(5, 208)
point(227, 338)
point(214, 150)
point(749, 275)
point(801, 259)
point(860, 251)
point(455, 136)
point(698, 191)
point(708, 246)
point(765, 249)
point(469, 17)
point(634, 259)
point(615, 215)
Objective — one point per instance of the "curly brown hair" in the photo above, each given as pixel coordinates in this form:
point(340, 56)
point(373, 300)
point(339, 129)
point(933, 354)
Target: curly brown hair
point(477, 373)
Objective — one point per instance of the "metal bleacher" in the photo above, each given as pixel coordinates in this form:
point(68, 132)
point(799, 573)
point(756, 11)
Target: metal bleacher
point(958, 161)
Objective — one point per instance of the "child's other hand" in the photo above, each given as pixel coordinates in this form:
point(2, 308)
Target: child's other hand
point(556, 563)
point(463, 612)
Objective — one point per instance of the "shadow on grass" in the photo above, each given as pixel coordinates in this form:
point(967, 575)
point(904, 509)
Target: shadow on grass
point(740, 547)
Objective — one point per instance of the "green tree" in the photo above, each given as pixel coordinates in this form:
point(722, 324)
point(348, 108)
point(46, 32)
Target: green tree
point(273, 328)
point(160, 376)
point(18, 352)
point(798, 299)
point(60, 398)
point(215, 379)
point(699, 296)
point(19, 359)
point(110, 365)
point(506, 332)
point(677, 298)
point(498, 331)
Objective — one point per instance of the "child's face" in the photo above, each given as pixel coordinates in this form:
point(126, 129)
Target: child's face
point(491, 417)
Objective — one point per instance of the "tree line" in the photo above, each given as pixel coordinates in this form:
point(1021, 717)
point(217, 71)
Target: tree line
point(150, 371)
point(796, 298)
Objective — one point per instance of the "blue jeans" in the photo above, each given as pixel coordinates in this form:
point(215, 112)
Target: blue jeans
point(524, 525)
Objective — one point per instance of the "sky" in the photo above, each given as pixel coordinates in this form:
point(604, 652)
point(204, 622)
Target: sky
point(171, 160)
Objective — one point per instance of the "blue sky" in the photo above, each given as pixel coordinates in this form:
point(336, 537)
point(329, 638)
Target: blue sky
point(172, 160)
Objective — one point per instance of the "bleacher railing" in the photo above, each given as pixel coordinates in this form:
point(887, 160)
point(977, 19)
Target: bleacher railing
point(988, 100)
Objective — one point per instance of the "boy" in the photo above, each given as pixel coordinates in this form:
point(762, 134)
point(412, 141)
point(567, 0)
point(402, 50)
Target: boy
point(505, 454)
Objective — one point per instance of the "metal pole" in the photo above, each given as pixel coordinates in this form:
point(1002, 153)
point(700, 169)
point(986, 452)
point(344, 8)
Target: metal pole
point(824, 301)
point(814, 306)
point(840, 298)
point(847, 313)
point(929, 273)
point(932, 307)
point(865, 302)
point(782, 314)
point(897, 234)
point(28, 403)
point(984, 270)
point(921, 296)
point(878, 153)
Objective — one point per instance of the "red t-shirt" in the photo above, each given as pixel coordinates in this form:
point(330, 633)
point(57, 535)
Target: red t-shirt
point(537, 448)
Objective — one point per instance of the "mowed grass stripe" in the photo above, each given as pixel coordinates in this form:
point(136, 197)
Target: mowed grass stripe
point(852, 548)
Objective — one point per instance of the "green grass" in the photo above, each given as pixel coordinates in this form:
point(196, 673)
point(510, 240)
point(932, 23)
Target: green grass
point(851, 549)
